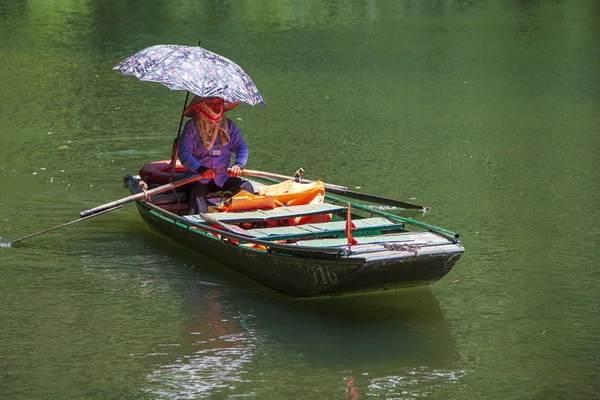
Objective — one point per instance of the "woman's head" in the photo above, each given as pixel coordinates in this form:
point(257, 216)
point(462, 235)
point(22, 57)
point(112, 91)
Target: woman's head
point(211, 122)
point(212, 108)
point(212, 105)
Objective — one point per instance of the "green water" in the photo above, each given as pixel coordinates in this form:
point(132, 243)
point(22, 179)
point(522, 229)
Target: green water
point(487, 111)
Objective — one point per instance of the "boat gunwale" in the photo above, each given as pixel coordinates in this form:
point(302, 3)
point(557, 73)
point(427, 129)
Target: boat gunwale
point(450, 235)
point(293, 248)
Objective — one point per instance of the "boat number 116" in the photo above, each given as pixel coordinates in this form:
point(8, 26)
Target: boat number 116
point(319, 275)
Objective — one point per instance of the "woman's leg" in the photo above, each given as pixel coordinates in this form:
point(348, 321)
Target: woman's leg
point(234, 185)
point(196, 202)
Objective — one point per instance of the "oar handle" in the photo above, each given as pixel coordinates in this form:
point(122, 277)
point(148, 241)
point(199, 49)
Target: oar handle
point(140, 196)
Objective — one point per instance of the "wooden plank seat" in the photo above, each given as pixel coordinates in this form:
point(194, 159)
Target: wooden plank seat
point(179, 195)
point(269, 215)
point(414, 237)
point(171, 197)
point(316, 230)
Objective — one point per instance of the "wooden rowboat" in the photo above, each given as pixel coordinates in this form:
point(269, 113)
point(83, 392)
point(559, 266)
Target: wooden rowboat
point(312, 258)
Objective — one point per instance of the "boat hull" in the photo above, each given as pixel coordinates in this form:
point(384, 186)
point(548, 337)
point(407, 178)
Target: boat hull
point(306, 275)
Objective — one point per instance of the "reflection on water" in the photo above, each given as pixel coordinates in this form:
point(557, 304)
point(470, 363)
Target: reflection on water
point(212, 356)
point(392, 344)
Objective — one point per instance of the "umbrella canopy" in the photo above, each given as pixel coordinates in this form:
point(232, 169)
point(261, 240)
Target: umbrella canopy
point(195, 69)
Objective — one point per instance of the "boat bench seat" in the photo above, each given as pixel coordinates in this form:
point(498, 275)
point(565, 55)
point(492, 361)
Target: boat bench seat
point(179, 195)
point(176, 196)
point(421, 238)
point(324, 229)
point(360, 240)
point(270, 215)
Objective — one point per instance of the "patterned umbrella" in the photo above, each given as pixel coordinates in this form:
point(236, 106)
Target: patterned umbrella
point(195, 69)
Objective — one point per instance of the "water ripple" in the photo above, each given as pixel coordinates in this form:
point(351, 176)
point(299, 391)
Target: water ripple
point(208, 372)
point(417, 383)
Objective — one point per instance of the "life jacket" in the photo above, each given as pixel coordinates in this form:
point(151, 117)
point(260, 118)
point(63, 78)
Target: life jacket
point(286, 193)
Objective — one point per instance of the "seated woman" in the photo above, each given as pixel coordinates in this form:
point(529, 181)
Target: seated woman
point(207, 147)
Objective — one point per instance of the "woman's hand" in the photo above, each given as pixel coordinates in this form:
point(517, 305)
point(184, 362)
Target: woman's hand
point(208, 174)
point(235, 171)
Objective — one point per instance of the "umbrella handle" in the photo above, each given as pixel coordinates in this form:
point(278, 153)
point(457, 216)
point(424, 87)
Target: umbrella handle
point(175, 149)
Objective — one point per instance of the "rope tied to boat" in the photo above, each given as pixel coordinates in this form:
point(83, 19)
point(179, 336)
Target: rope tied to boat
point(413, 248)
point(142, 185)
point(144, 188)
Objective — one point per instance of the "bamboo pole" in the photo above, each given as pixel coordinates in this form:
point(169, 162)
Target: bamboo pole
point(141, 195)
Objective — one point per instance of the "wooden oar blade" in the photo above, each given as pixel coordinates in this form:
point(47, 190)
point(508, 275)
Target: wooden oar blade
point(9, 244)
point(343, 191)
point(379, 199)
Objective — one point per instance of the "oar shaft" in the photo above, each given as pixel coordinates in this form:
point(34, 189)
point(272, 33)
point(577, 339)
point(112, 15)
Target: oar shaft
point(341, 190)
point(139, 196)
point(63, 225)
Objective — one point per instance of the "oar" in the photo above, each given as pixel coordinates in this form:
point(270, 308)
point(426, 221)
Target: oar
point(139, 196)
point(108, 207)
point(61, 226)
point(341, 190)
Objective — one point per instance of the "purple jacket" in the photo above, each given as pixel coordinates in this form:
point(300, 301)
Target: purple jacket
point(193, 154)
